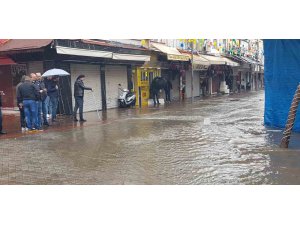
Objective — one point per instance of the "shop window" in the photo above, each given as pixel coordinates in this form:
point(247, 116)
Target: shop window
point(144, 76)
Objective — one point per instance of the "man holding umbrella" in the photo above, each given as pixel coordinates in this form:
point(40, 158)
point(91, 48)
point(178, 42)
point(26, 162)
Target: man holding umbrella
point(52, 87)
point(52, 90)
point(78, 95)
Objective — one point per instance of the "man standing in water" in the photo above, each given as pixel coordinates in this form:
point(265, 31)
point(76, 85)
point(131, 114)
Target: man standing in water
point(78, 95)
point(1, 131)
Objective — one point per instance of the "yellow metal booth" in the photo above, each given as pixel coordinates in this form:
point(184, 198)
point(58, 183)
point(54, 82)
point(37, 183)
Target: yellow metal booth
point(143, 77)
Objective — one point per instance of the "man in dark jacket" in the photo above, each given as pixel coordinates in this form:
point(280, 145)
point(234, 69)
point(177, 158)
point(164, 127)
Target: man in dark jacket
point(78, 95)
point(43, 97)
point(1, 131)
point(40, 86)
point(168, 88)
point(36, 84)
point(20, 105)
point(52, 90)
point(28, 94)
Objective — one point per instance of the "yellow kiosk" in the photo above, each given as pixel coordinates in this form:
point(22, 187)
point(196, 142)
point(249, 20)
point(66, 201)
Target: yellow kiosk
point(143, 77)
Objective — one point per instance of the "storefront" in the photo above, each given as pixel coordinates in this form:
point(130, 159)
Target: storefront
point(220, 74)
point(175, 64)
point(104, 64)
point(165, 62)
point(200, 65)
point(10, 77)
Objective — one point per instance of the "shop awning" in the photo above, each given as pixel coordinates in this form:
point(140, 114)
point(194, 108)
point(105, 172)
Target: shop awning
point(199, 63)
point(83, 52)
point(219, 60)
point(24, 45)
point(248, 60)
point(214, 60)
point(6, 61)
point(172, 53)
point(131, 57)
point(231, 62)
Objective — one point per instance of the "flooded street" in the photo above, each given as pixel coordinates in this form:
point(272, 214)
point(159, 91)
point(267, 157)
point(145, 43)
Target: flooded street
point(218, 140)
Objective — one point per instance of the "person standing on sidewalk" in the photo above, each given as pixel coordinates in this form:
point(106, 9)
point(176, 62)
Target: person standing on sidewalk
point(78, 95)
point(28, 94)
point(48, 105)
point(52, 90)
point(43, 98)
point(21, 107)
point(36, 84)
point(1, 130)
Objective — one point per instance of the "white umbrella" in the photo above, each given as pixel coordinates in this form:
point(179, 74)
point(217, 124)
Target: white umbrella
point(55, 72)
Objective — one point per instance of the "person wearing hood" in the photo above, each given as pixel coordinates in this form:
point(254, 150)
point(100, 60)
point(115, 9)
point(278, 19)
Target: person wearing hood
point(78, 95)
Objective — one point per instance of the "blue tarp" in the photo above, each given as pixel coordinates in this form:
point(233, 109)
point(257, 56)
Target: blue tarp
point(282, 76)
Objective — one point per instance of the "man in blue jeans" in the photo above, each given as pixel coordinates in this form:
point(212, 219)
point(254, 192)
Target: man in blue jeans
point(44, 98)
point(1, 131)
point(36, 84)
point(52, 90)
point(40, 86)
point(28, 94)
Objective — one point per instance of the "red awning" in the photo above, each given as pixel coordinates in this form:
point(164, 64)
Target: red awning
point(6, 61)
point(23, 45)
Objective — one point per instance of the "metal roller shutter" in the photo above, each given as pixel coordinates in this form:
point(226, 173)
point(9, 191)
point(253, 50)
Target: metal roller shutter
point(35, 67)
point(92, 79)
point(196, 84)
point(114, 75)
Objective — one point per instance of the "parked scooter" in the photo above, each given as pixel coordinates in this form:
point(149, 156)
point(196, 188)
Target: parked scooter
point(126, 98)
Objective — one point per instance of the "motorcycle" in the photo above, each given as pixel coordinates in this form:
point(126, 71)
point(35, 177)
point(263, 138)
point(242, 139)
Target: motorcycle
point(126, 98)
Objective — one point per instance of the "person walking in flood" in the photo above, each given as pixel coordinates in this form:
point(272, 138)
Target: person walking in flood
point(1, 131)
point(78, 95)
point(168, 88)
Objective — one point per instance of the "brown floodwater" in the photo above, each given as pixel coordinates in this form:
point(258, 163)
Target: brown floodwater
point(218, 140)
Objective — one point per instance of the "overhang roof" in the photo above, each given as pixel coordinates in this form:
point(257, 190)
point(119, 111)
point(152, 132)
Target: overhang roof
point(24, 44)
point(6, 61)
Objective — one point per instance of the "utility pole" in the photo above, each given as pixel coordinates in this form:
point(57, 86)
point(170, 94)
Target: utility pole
point(192, 78)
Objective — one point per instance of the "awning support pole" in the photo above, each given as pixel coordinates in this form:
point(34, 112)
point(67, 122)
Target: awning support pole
point(192, 78)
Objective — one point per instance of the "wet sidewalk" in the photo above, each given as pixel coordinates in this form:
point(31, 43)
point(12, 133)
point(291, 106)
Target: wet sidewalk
point(219, 140)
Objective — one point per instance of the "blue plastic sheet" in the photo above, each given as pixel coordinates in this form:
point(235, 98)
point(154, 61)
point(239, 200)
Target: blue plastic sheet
point(282, 76)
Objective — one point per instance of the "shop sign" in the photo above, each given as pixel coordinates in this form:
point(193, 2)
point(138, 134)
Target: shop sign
point(178, 57)
point(200, 67)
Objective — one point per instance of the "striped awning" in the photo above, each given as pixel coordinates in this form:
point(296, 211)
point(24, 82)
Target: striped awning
point(172, 53)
